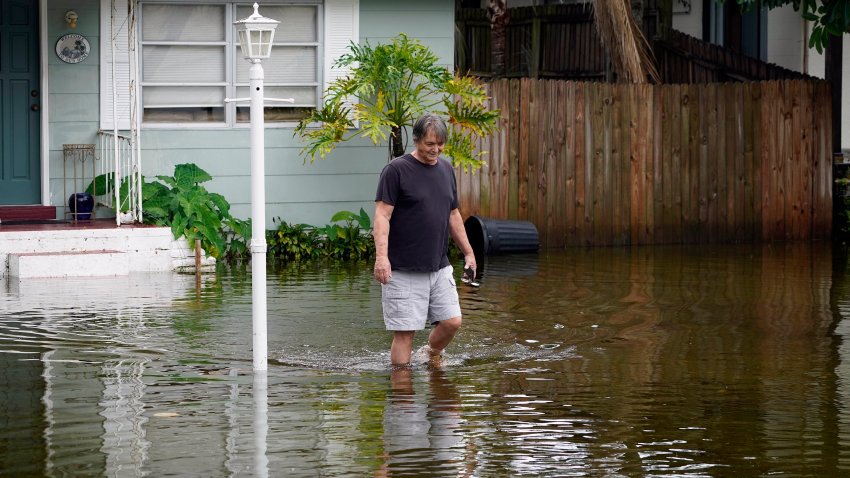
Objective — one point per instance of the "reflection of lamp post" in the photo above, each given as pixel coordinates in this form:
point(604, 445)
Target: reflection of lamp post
point(256, 34)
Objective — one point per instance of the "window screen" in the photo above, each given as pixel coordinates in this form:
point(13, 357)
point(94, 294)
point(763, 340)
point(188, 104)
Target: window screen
point(191, 61)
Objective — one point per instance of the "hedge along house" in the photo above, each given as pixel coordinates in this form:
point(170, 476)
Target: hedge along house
point(157, 73)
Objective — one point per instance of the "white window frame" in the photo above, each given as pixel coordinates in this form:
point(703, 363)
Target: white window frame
point(338, 26)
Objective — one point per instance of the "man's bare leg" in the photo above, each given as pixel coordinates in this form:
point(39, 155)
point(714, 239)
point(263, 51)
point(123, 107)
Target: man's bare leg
point(401, 348)
point(442, 335)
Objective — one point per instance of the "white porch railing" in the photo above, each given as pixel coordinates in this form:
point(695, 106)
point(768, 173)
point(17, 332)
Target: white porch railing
point(118, 154)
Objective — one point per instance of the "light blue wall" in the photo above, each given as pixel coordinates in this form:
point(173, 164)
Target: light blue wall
point(73, 89)
point(295, 192)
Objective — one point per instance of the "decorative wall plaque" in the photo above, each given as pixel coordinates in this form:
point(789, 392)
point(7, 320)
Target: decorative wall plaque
point(72, 48)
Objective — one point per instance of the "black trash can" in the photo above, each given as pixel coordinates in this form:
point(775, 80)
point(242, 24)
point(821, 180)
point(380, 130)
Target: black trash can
point(495, 236)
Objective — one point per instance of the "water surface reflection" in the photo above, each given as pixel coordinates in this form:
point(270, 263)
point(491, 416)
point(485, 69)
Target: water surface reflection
point(663, 361)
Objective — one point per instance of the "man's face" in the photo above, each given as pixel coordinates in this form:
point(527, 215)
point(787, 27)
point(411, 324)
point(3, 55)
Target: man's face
point(429, 148)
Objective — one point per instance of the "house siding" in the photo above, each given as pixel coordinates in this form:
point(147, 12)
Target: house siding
point(295, 192)
point(73, 91)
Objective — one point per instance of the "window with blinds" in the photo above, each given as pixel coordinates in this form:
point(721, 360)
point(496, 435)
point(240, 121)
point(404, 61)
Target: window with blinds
point(191, 61)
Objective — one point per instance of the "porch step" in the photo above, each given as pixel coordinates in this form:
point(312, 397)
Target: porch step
point(27, 213)
point(81, 250)
point(69, 264)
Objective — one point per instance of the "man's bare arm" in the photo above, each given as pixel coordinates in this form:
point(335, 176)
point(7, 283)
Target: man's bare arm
point(458, 233)
point(381, 233)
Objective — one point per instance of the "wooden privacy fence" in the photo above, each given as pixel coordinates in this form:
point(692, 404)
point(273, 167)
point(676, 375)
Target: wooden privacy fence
point(613, 164)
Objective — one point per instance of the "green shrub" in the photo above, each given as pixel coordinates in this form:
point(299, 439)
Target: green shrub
point(293, 241)
point(351, 240)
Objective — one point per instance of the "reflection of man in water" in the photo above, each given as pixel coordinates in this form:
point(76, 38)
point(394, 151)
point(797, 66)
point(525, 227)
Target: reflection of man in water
point(424, 434)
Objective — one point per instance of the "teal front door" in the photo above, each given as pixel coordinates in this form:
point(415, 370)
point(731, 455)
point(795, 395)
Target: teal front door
point(20, 100)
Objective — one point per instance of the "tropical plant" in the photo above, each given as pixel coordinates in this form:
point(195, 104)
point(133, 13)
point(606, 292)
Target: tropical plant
point(390, 86)
point(293, 241)
point(104, 185)
point(183, 204)
point(351, 240)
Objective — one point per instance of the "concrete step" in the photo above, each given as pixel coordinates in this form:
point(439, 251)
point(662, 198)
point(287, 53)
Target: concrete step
point(103, 263)
point(28, 253)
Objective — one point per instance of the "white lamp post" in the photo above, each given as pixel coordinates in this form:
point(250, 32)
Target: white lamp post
point(256, 34)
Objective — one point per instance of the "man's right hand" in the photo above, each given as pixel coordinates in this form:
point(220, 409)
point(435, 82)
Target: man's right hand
point(383, 272)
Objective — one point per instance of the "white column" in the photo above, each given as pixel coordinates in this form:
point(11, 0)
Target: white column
point(258, 220)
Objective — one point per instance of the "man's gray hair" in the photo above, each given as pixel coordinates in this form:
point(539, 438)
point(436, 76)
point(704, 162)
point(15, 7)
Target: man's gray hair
point(433, 123)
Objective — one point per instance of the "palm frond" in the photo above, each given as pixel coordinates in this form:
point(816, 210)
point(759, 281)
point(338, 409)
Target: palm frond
point(630, 52)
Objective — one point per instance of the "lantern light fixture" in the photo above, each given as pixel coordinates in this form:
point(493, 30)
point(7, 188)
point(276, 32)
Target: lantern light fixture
point(256, 35)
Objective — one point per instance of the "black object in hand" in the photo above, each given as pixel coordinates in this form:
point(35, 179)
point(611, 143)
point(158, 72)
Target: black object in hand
point(468, 277)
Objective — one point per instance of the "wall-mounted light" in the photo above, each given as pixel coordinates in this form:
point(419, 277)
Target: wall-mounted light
point(71, 18)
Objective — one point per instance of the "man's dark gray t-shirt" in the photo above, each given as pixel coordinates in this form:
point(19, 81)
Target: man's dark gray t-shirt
point(423, 196)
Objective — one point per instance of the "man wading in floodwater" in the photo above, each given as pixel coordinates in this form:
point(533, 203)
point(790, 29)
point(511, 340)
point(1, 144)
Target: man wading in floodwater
point(415, 211)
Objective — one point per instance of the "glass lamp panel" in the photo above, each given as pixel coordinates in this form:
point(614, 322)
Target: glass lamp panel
point(244, 45)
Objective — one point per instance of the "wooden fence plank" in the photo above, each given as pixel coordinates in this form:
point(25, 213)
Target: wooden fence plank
point(648, 103)
point(670, 164)
point(796, 168)
point(723, 182)
point(523, 151)
point(804, 154)
point(785, 230)
point(514, 151)
point(657, 165)
point(692, 227)
point(747, 137)
point(599, 173)
point(568, 162)
point(499, 158)
point(547, 143)
point(756, 135)
point(556, 200)
point(738, 174)
point(619, 163)
point(769, 112)
point(702, 188)
point(636, 126)
point(582, 151)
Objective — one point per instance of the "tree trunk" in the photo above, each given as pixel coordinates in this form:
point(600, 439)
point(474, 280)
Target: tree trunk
point(497, 13)
point(396, 143)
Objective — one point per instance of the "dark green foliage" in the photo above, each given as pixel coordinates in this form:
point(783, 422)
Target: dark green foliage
point(351, 240)
point(293, 241)
point(104, 184)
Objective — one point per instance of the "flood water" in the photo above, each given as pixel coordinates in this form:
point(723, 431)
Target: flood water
point(663, 361)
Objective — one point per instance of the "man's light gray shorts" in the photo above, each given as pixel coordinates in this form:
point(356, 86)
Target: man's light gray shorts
point(412, 300)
